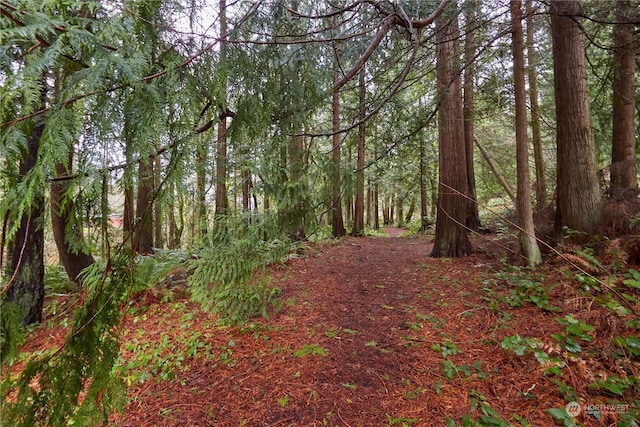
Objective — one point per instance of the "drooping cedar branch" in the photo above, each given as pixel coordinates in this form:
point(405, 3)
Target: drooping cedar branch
point(41, 40)
point(145, 79)
point(389, 22)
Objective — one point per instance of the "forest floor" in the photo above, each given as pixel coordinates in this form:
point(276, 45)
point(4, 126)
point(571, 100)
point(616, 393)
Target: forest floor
point(373, 332)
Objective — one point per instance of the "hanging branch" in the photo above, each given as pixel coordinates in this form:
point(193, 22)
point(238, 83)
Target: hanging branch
point(389, 22)
point(146, 79)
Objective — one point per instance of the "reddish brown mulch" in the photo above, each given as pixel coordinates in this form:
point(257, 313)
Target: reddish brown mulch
point(359, 341)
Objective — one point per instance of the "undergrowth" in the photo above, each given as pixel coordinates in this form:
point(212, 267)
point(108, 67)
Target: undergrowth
point(225, 275)
point(607, 354)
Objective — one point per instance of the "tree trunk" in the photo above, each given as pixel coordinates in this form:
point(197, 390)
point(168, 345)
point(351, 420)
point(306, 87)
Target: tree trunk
point(246, 189)
point(386, 219)
point(143, 228)
point(624, 178)
point(369, 203)
point(451, 238)
point(473, 217)
point(200, 210)
point(541, 181)
point(528, 244)
point(158, 208)
point(128, 210)
point(175, 230)
point(358, 217)
point(400, 211)
point(579, 200)
point(296, 190)
point(26, 251)
point(222, 201)
point(337, 224)
point(424, 202)
point(376, 206)
point(67, 233)
point(412, 208)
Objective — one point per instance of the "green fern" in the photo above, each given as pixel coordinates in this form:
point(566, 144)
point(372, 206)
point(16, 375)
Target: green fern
point(224, 277)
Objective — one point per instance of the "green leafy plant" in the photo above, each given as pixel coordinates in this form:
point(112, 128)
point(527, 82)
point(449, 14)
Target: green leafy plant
point(311, 349)
point(521, 345)
point(575, 330)
point(446, 348)
point(523, 286)
point(402, 421)
point(561, 415)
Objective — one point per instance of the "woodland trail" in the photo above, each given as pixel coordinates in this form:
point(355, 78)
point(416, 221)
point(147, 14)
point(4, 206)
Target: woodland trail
point(372, 332)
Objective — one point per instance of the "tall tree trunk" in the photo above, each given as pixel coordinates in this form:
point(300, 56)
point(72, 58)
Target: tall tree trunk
point(337, 223)
point(128, 210)
point(528, 244)
point(297, 191)
point(424, 203)
point(67, 233)
point(200, 210)
point(579, 200)
point(174, 239)
point(143, 228)
point(386, 212)
point(369, 208)
point(157, 207)
point(412, 208)
point(376, 206)
point(451, 238)
point(473, 217)
point(541, 180)
point(358, 216)
point(624, 175)
point(400, 210)
point(348, 186)
point(26, 251)
point(246, 189)
point(222, 201)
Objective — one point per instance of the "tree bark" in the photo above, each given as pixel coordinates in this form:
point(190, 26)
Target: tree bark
point(157, 207)
point(541, 180)
point(26, 251)
point(473, 217)
point(624, 175)
point(337, 223)
point(528, 243)
point(424, 202)
point(297, 190)
point(376, 206)
point(200, 211)
point(579, 199)
point(222, 201)
point(67, 233)
point(358, 216)
point(143, 228)
point(451, 238)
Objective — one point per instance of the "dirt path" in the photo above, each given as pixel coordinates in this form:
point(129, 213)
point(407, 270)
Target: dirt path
point(372, 332)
